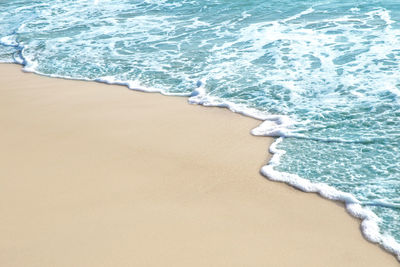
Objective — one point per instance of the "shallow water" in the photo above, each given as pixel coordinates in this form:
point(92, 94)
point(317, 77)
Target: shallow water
point(323, 74)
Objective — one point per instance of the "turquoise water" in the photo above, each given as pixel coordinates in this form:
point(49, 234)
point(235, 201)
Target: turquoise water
point(324, 75)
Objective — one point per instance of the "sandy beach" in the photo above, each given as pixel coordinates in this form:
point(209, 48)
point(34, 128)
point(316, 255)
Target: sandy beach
point(99, 175)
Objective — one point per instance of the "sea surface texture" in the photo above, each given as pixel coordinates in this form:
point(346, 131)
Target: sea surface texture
point(324, 75)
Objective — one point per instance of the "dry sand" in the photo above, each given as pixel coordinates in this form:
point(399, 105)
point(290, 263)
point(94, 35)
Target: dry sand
point(98, 175)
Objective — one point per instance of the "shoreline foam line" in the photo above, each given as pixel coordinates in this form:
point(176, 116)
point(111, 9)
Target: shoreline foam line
point(227, 207)
point(369, 220)
point(273, 126)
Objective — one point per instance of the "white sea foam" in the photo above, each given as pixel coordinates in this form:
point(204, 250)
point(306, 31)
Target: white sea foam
point(313, 43)
point(135, 85)
point(274, 126)
point(9, 40)
point(370, 220)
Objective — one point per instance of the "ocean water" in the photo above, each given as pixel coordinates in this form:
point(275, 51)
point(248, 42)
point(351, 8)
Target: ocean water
point(323, 75)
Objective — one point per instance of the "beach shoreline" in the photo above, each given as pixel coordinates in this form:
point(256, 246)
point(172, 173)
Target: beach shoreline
point(99, 175)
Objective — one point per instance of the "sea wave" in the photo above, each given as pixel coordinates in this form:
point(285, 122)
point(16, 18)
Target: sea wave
point(321, 78)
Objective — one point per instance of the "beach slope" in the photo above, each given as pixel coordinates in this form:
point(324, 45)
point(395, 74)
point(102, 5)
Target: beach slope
point(99, 175)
